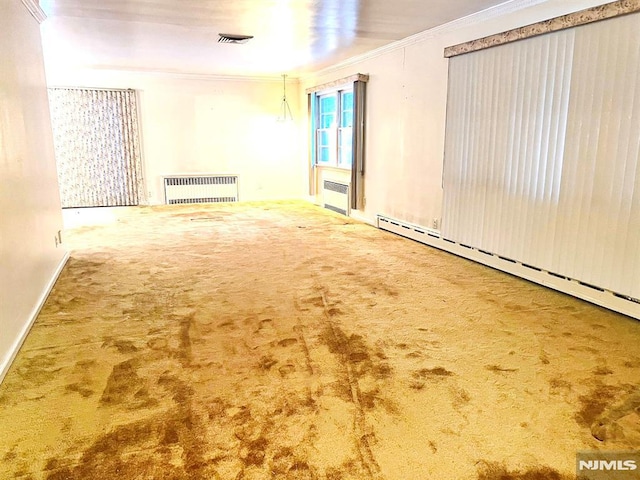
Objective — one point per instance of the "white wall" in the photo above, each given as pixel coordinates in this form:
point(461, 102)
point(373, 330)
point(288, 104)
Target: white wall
point(406, 107)
point(30, 215)
point(198, 124)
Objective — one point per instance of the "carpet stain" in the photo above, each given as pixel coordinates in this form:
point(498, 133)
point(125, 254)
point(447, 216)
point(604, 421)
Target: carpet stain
point(602, 370)
point(84, 364)
point(10, 455)
point(158, 344)
point(496, 471)
point(266, 362)
point(360, 363)
point(127, 452)
point(559, 383)
point(39, 369)
point(460, 397)
point(186, 323)
point(122, 346)
point(420, 377)
point(500, 369)
point(78, 388)
point(286, 342)
point(123, 383)
point(620, 420)
point(353, 349)
point(432, 372)
point(594, 403)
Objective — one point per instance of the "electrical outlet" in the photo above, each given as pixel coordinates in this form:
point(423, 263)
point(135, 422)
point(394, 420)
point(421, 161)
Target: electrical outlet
point(435, 224)
point(59, 236)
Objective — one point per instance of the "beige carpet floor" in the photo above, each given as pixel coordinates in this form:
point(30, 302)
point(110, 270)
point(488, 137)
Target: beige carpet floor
point(280, 340)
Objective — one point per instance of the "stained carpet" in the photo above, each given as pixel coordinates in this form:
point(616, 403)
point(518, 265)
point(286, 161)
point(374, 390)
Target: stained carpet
point(280, 340)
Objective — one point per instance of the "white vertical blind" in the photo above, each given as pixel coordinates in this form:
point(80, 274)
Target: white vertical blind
point(541, 153)
point(600, 191)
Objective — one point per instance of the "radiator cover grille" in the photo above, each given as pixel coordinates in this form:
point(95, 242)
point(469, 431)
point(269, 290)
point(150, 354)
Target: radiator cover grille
point(335, 196)
point(200, 189)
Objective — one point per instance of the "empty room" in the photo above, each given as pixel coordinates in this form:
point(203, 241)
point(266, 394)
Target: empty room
point(320, 239)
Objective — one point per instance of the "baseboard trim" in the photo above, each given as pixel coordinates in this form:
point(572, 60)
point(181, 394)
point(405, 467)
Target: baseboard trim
point(361, 217)
point(604, 298)
point(4, 368)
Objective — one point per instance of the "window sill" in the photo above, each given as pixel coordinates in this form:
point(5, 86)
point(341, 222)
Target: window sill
point(332, 167)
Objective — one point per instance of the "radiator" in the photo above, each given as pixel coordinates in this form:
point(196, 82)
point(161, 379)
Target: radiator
point(335, 196)
point(200, 189)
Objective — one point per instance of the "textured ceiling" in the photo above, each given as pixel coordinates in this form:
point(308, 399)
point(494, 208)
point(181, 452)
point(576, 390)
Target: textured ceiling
point(290, 36)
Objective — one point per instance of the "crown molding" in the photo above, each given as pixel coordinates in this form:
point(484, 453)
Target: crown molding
point(207, 76)
point(34, 9)
point(185, 75)
point(496, 11)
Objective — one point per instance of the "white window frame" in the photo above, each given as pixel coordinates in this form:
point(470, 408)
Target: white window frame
point(335, 131)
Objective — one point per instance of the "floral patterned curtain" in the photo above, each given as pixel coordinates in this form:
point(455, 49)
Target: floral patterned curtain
point(97, 146)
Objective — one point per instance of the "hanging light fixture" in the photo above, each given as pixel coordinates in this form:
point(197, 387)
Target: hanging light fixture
point(285, 110)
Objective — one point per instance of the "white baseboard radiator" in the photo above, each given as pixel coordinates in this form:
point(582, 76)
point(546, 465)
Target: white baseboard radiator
point(200, 189)
point(591, 293)
point(336, 196)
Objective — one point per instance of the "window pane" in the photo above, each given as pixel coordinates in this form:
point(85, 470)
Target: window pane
point(327, 104)
point(324, 155)
point(345, 137)
point(347, 119)
point(346, 109)
point(327, 111)
point(347, 100)
point(326, 146)
point(346, 155)
point(323, 138)
point(328, 120)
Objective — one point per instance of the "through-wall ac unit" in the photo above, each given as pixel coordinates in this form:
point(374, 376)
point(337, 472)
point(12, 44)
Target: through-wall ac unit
point(336, 196)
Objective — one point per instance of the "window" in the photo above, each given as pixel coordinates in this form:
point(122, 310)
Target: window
point(337, 132)
point(97, 147)
point(334, 125)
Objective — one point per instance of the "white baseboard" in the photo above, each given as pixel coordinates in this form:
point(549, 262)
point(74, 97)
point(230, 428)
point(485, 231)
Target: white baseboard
point(4, 367)
point(312, 199)
point(361, 217)
point(570, 286)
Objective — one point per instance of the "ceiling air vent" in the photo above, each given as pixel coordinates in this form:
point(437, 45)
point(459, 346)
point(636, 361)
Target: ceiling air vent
point(232, 38)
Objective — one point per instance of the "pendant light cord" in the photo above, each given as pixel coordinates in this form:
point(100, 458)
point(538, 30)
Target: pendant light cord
point(286, 110)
